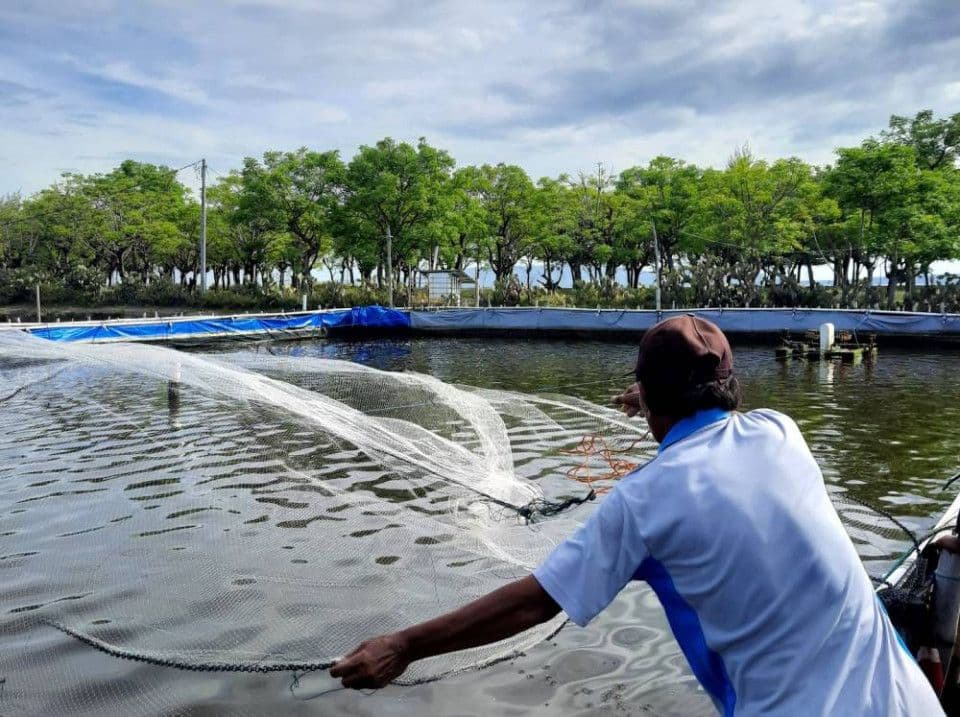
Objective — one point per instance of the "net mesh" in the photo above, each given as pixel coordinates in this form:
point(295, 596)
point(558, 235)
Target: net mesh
point(256, 513)
point(251, 512)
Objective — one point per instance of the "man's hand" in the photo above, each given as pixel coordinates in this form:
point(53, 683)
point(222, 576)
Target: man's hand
point(629, 401)
point(373, 663)
point(515, 607)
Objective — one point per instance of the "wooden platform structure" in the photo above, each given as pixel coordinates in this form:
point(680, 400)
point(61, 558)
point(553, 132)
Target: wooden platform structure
point(846, 348)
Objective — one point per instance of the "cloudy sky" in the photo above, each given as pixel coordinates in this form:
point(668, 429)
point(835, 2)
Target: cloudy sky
point(551, 85)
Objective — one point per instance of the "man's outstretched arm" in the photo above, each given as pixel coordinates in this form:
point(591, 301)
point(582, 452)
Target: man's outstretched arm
point(496, 616)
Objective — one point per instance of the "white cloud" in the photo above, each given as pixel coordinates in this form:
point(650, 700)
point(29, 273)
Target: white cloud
point(178, 86)
point(554, 87)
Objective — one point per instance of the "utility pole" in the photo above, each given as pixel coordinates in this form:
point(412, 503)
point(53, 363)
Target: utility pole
point(476, 285)
point(389, 267)
point(656, 261)
point(39, 319)
point(203, 226)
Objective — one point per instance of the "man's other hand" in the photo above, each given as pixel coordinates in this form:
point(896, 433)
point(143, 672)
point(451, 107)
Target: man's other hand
point(373, 663)
point(629, 401)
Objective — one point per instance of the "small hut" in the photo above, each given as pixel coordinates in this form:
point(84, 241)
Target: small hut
point(444, 285)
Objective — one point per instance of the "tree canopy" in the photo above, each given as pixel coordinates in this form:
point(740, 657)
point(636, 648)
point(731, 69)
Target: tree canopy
point(752, 231)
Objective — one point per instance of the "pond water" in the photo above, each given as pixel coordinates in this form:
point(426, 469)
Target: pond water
point(886, 433)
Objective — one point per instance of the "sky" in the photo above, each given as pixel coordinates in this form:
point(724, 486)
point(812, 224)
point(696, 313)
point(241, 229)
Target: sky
point(553, 86)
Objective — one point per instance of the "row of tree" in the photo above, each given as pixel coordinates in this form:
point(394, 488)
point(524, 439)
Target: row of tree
point(887, 208)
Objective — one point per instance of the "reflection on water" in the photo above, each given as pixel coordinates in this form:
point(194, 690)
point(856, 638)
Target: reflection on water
point(885, 432)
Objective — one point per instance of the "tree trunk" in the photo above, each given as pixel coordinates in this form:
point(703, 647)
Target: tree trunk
point(892, 281)
point(845, 280)
point(666, 251)
point(328, 265)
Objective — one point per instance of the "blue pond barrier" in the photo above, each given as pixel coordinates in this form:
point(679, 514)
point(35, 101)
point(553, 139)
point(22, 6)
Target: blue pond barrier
point(736, 321)
point(218, 327)
point(499, 321)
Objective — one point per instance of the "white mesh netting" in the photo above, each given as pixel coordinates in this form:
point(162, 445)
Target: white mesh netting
point(267, 513)
point(252, 512)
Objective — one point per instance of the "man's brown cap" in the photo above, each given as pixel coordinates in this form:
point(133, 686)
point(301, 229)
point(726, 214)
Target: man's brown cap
point(682, 352)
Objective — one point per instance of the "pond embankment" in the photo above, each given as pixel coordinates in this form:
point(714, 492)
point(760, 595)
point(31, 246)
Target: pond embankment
point(891, 326)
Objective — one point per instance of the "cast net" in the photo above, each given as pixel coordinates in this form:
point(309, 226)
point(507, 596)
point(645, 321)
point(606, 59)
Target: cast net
point(258, 513)
point(251, 512)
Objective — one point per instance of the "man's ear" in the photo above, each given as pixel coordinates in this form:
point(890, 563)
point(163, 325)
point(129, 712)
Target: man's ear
point(643, 401)
point(659, 425)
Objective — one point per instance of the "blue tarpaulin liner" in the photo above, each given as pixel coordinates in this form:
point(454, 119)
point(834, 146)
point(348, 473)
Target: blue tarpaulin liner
point(747, 321)
point(501, 321)
point(176, 329)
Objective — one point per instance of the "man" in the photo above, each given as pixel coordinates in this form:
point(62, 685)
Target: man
point(732, 527)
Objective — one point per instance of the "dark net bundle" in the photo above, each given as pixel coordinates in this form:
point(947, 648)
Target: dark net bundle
point(882, 540)
point(253, 513)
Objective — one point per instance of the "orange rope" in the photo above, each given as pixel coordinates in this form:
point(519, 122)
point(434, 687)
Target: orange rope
point(594, 445)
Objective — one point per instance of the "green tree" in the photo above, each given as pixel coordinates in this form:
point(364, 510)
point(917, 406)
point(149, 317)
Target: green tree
point(60, 226)
point(749, 219)
point(869, 182)
point(143, 209)
point(935, 141)
point(920, 228)
point(466, 220)
point(402, 188)
point(553, 225)
point(238, 237)
point(598, 226)
point(298, 193)
point(506, 193)
point(11, 230)
point(668, 192)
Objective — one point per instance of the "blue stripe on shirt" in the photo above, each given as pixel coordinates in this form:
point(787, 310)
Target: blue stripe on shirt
point(685, 426)
point(706, 664)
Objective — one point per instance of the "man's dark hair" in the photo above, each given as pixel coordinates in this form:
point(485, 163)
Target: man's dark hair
point(665, 401)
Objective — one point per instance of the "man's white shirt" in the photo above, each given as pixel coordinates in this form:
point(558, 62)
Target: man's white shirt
point(732, 527)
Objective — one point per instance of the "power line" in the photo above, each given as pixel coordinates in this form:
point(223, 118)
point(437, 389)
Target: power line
point(219, 174)
point(744, 247)
point(191, 164)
